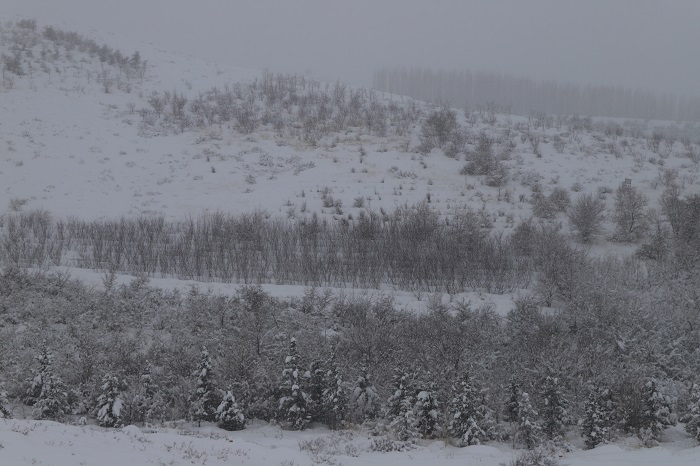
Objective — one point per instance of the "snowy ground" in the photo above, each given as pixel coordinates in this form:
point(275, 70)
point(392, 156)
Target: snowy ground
point(50, 443)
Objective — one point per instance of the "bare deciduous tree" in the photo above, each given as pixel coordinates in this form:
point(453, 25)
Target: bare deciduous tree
point(586, 216)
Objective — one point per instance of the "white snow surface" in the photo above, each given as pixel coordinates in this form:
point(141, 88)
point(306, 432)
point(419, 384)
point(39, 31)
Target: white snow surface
point(25, 442)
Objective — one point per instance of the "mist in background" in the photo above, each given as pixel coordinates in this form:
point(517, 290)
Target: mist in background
point(640, 44)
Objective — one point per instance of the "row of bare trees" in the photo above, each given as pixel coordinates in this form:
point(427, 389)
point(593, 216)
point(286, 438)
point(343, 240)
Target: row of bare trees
point(412, 248)
point(525, 95)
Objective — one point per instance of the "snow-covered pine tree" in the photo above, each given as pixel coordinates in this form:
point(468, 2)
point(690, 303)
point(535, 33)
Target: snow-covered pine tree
point(555, 408)
point(204, 401)
point(692, 425)
point(598, 418)
point(150, 404)
point(464, 415)
point(53, 399)
point(45, 360)
point(4, 410)
point(427, 411)
point(400, 407)
point(47, 392)
point(514, 389)
point(229, 415)
point(364, 400)
point(110, 402)
point(399, 391)
point(316, 387)
point(655, 415)
point(527, 430)
point(334, 397)
point(293, 405)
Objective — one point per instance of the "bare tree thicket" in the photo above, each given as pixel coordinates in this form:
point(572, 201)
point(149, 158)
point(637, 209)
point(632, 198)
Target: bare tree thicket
point(586, 216)
point(412, 248)
point(287, 104)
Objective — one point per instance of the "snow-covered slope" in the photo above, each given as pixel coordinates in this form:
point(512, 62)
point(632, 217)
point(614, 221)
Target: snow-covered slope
point(73, 149)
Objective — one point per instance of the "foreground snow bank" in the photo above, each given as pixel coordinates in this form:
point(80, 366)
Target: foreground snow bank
point(50, 443)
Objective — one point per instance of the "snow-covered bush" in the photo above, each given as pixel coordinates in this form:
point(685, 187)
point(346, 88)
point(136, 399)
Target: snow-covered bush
point(110, 402)
point(560, 198)
point(364, 400)
point(229, 415)
point(536, 457)
point(586, 216)
point(387, 445)
point(483, 161)
point(4, 410)
point(630, 219)
point(542, 206)
point(439, 130)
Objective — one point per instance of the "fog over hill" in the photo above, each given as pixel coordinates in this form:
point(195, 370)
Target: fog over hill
point(522, 96)
point(638, 44)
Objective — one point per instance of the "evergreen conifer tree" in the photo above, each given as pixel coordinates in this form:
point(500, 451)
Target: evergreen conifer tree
point(150, 404)
point(45, 360)
point(598, 419)
point(47, 392)
point(465, 419)
point(110, 402)
point(204, 401)
point(4, 410)
point(656, 413)
point(229, 415)
point(53, 399)
point(400, 389)
point(316, 388)
point(692, 425)
point(400, 407)
point(293, 405)
point(514, 390)
point(555, 409)
point(334, 397)
point(364, 399)
point(427, 412)
point(527, 430)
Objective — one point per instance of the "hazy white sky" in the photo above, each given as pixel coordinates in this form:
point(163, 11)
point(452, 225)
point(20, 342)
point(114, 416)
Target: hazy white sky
point(649, 44)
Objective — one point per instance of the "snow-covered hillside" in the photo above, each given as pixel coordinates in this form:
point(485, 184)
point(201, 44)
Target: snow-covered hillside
point(75, 150)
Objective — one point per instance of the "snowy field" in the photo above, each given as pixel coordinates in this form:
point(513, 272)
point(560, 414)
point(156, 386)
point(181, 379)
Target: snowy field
point(51, 443)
